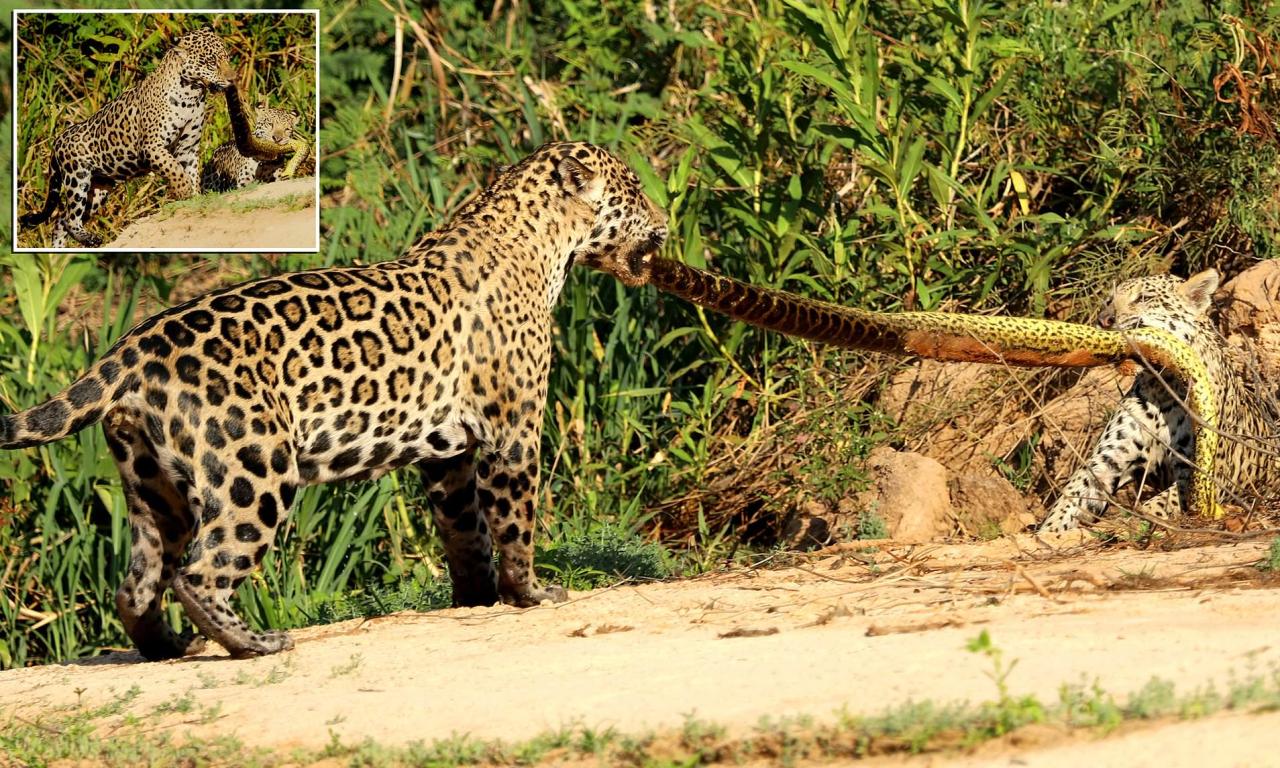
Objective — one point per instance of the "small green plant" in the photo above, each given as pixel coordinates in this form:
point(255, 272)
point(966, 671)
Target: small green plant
point(277, 674)
point(603, 556)
point(1020, 471)
point(1271, 563)
point(872, 526)
point(410, 594)
point(350, 666)
point(207, 679)
point(179, 704)
point(1008, 712)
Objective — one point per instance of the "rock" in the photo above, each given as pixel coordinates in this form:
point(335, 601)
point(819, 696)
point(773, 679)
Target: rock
point(929, 390)
point(1269, 350)
point(1251, 300)
point(947, 411)
point(985, 507)
point(973, 418)
point(1250, 317)
point(909, 492)
point(811, 527)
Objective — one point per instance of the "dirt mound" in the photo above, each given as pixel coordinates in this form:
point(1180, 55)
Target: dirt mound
point(847, 628)
point(277, 216)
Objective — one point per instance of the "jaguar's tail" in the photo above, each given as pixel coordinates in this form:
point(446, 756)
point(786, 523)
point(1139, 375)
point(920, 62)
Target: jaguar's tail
point(50, 205)
point(81, 405)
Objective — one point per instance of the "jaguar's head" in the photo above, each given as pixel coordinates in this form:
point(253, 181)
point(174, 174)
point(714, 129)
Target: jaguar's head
point(204, 61)
point(1160, 301)
point(274, 124)
point(627, 229)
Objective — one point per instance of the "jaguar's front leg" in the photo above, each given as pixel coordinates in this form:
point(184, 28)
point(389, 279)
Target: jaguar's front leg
point(163, 161)
point(187, 152)
point(1128, 451)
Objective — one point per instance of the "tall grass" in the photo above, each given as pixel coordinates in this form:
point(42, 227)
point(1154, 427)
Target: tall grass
point(897, 154)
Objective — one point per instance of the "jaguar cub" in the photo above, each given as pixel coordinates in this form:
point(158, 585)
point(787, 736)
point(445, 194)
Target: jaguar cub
point(1149, 440)
point(228, 169)
point(154, 126)
point(219, 409)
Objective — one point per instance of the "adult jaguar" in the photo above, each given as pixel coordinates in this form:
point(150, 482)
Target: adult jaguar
point(1149, 440)
point(154, 126)
point(219, 409)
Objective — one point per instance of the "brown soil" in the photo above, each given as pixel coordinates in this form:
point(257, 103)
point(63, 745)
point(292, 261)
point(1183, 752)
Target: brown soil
point(268, 217)
point(841, 629)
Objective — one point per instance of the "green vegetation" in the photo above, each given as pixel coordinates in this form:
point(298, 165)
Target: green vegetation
point(70, 65)
point(1272, 561)
point(905, 154)
point(230, 202)
point(910, 728)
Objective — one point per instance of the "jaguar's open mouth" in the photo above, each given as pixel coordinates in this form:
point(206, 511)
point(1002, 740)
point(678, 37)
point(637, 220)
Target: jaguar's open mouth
point(639, 257)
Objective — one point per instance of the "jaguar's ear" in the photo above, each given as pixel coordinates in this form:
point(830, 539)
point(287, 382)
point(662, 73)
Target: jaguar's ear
point(1199, 288)
point(574, 176)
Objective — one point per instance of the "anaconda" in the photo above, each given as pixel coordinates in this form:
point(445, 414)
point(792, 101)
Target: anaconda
point(250, 145)
point(1020, 341)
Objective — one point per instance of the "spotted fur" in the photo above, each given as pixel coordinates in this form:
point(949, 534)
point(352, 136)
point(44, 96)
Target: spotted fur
point(228, 169)
point(218, 410)
point(154, 126)
point(1149, 440)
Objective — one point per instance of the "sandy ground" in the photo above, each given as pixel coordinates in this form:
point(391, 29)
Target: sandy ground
point(834, 632)
point(267, 217)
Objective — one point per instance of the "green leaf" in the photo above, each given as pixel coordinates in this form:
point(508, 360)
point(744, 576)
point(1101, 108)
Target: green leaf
point(839, 87)
point(911, 164)
point(984, 101)
point(943, 88)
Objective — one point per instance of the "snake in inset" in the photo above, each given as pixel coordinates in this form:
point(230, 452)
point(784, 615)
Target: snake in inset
point(251, 146)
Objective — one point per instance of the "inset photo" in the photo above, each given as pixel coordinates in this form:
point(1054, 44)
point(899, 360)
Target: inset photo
point(170, 131)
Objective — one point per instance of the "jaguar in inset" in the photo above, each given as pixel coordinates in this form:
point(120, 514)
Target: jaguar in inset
point(228, 169)
point(1149, 440)
point(218, 410)
point(154, 126)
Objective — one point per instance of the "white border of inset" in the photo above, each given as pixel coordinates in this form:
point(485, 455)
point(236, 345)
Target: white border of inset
point(314, 12)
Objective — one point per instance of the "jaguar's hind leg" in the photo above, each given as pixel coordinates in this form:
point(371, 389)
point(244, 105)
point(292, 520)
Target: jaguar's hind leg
point(451, 488)
point(239, 520)
point(96, 200)
point(77, 203)
point(160, 524)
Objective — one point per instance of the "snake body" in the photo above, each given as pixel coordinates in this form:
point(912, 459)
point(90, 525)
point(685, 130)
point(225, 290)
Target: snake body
point(251, 146)
point(1020, 341)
